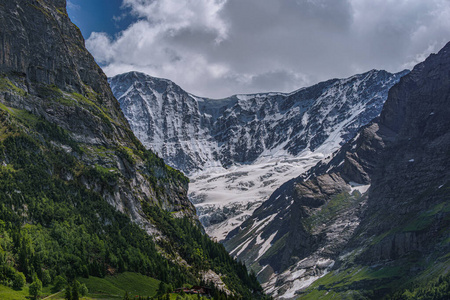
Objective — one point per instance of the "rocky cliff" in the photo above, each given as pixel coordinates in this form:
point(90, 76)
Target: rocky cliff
point(47, 71)
point(375, 215)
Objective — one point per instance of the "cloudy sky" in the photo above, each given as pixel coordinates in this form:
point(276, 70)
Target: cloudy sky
point(216, 48)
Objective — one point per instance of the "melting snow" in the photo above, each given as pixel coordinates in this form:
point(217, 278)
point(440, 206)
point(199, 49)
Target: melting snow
point(298, 285)
point(263, 268)
point(297, 282)
point(243, 247)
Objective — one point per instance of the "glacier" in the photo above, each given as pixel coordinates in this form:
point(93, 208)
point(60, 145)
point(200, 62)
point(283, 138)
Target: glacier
point(238, 150)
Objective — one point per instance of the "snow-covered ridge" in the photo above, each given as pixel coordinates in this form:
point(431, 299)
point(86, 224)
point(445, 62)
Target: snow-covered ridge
point(238, 150)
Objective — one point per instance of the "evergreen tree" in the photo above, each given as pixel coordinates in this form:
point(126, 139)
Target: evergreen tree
point(162, 288)
point(35, 289)
point(75, 290)
point(126, 296)
point(46, 278)
point(58, 284)
point(68, 293)
point(83, 290)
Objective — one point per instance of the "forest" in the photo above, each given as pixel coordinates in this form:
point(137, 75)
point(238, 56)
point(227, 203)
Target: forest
point(53, 229)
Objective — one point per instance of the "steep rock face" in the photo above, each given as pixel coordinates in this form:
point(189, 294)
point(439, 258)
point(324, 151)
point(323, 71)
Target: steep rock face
point(47, 71)
point(166, 119)
point(48, 49)
point(238, 150)
point(410, 184)
point(379, 206)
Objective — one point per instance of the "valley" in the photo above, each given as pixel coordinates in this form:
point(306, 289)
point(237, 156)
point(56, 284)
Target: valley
point(131, 187)
point(288, 182)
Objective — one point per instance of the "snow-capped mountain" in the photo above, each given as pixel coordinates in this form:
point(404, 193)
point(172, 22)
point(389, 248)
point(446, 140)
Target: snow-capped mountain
point(238, 150)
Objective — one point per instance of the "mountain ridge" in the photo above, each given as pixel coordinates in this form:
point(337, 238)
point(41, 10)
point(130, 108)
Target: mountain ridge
point(210, 110)
point(238, 150)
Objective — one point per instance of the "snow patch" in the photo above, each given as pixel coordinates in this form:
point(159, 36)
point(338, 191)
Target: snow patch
point(266, 245)
point(362, 188)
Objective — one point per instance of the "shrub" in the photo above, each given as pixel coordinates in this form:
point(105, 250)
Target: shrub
point(58, 284)
point(19, 281)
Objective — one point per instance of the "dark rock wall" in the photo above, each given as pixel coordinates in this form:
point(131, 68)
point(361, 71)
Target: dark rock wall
point(42, 54)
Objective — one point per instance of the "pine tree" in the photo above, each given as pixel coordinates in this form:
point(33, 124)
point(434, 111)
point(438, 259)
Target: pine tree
point(46, 278)
point(68, 293)
point(75, 290)
point(58, 284)
point(83, 290)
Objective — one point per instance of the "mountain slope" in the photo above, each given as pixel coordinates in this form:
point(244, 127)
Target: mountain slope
point(79, 193)
point(372, 218)
point(238, 150)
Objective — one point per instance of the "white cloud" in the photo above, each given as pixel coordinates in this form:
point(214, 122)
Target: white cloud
point(172, 17)
point(217, 48)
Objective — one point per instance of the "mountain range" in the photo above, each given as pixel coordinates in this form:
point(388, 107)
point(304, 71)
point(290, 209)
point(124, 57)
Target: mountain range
point(238, 150)
point(336, 191)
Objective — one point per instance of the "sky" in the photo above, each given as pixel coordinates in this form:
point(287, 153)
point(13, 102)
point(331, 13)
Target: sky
point(217, 48)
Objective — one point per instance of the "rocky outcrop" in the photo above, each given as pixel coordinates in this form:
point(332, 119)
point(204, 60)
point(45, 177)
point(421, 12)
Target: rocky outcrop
point(378, 206)
point(409, 182)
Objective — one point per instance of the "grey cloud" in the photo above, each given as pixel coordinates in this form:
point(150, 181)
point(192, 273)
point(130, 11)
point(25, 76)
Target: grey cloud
point(280, 80)
point(216, 48)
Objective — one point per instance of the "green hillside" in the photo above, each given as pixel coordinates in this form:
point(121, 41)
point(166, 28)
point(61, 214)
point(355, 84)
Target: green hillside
point(81, 199)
